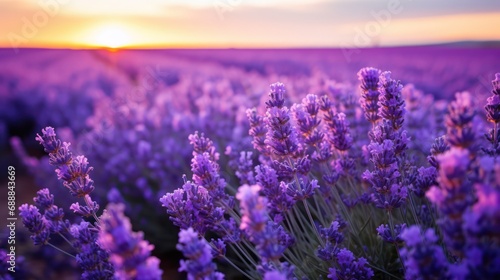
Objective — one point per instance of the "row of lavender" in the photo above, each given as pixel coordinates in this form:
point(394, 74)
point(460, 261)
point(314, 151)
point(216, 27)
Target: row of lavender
point(314, 181)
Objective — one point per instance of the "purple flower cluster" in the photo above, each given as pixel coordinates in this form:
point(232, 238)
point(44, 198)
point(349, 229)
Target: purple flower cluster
point(493, 115)
point(269, 238)
point(369, 78)
point(482, 229)
point(74, 172)
point(350, 268)
point(391, 103)
point(199, 263)
point(35, 223)
point(459, 121)
point(93, 259)
point(422, 255)
point(129, 253)
point(385, 232)
point(297, 207)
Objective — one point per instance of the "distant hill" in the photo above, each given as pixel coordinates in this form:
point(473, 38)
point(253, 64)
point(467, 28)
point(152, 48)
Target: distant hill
point(470, 44)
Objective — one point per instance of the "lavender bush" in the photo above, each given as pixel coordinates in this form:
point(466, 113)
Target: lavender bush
point(371, 182)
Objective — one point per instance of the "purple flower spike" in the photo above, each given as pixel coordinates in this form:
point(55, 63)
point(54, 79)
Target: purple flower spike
point(74, 172)
point(92, 259)
point(253, 208)
point(482, 229)
point(276, 95)
point(129, 253)
point(426, 178)
point(369, 78)
point(454, 165)
point(339, 136)
point(422, 255)
point(496, 84)
point(384, 231)
point(453, 196)
point(438, 147)
point(85, 210)
point(350, 268)
point(281, 138)
point(493, 109)
point(48, 140)
point(202, 144)
point(35, 223)
point(270, 239)
point(391, 101)
point(59, 153)
point(206, 174)
point(257, 130)
point(199, 263)
point(307, 124)
point(461, 112)
point(219, 250)
point(44, 199)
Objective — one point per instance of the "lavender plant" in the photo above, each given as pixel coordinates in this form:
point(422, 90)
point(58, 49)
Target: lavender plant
point(102, 248)
point(331, 190)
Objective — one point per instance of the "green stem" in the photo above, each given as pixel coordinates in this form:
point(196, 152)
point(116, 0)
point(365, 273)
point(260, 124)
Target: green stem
point(60, 250)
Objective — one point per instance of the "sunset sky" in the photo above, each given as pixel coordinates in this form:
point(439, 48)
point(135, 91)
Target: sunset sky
point(244, 23)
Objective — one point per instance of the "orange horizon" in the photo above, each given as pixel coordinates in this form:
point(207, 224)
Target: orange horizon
point(31, 26)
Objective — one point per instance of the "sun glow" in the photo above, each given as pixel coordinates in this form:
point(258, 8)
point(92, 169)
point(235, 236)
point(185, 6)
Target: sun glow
point(110, 36)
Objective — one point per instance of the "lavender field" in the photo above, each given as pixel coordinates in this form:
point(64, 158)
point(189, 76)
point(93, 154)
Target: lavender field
point(373, 163)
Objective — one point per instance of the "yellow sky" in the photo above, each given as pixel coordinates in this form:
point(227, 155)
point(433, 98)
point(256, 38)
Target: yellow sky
point(230, 23)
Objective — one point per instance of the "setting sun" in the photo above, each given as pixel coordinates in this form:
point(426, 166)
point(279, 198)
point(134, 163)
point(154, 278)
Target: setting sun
point(110, 36)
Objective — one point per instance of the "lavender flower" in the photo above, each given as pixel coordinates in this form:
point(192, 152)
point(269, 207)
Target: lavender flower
point(493, 109)
point(493, 115)
point(270, 239)
point(281, 138)
point(425, 179)
point(219, 248)
point(493, 103)
point(385, 232)
point(453, 196)
point(350, 268)
point(257, 130)
point(74, 172)
point(482, 231)
point(253, 208)
point(460, 131)
point(202, 144)
point(92, 259)
point(391, 103)
point(129, 253)
point(35, 223)
point(53, 214)
point(369, 78)
point(243, 166)
point(394, 198)
point(192, 206)
point(279, 199)
point(306, 118)
point(276, 95)
point(339, 134)
point(422, 256)
point(199, 263)
point(206, 174)
point(438, 147)
point(333, 236)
